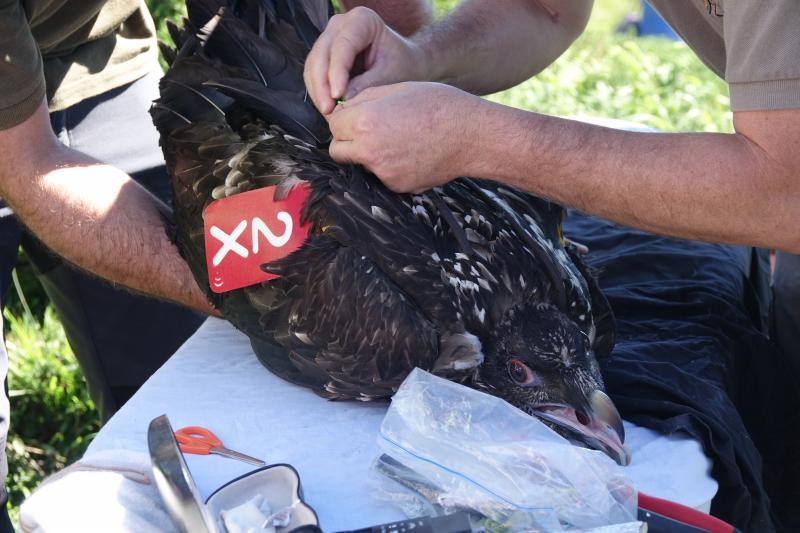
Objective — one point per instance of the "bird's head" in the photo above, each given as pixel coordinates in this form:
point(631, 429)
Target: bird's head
point(540, 361)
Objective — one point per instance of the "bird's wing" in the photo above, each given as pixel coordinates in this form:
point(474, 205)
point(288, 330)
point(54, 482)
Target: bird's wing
point(455, 253)
point(346, 325)
point(341, 326)
point(531, 234)
point(318, 12)
point(362, 214)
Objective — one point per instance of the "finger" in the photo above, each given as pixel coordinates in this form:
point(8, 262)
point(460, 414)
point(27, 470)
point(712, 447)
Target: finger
point(371, 78)
point(361, 31)
point(315, 72)
point(374, 93)
point(343, 151)
point(341, 123)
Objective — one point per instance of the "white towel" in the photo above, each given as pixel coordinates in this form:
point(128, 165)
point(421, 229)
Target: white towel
point(121, 496)
point(215, 381)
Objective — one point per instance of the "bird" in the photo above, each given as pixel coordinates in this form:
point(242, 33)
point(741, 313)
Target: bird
point(472, 280)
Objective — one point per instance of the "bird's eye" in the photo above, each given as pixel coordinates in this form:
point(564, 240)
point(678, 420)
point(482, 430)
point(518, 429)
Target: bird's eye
point(521, 374)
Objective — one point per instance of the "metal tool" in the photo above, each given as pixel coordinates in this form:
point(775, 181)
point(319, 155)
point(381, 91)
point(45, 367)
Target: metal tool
point(452, 523)
point(174, 481)
point(198, 440)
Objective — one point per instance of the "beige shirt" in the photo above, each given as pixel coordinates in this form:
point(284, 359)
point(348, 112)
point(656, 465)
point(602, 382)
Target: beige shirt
point(753, 44)
point(69, 50)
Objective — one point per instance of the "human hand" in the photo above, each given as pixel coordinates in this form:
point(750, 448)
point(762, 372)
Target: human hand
point(358, 36)
point(413, 136)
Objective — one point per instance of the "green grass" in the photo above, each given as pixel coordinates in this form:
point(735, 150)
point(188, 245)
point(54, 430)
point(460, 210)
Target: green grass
point(52, 417)
point(653, 81)
point(164, 10)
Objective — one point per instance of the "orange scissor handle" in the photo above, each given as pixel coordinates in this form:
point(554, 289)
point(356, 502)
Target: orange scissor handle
point(196, 440)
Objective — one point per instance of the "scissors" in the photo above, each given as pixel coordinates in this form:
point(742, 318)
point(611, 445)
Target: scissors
point(200, 441)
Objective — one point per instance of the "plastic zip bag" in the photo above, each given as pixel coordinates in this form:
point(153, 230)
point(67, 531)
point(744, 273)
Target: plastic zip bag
point(449, 447)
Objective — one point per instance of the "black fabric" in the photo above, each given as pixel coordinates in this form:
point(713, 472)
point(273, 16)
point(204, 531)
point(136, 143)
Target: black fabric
point(9, 244)
point(785, 317)
point(691, 357)
point(5, 521)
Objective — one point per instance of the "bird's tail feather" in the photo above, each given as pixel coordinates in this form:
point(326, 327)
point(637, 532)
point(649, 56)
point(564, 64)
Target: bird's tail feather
point(243, 56)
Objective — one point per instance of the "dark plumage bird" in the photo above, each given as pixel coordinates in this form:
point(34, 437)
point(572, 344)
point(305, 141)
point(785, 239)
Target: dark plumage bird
point(472, 280)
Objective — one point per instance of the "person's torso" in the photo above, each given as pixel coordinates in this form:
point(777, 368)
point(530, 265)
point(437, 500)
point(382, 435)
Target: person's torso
point(90, 46)
point(753, 44)
point(60, 26)
point(700, 24)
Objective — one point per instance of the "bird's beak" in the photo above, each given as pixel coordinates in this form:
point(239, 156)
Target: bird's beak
point(600, 428)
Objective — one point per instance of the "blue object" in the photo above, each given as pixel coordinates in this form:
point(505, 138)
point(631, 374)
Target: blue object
point(653, 24)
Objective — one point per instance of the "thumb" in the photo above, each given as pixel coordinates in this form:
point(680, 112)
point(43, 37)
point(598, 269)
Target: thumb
point(372, 78)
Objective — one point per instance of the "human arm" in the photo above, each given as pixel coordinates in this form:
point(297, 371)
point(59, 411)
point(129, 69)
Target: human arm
point(488, 46)
point(741, 188)
point(92, 214)
point(405, 17)
point(482, 46)
point(737, 188)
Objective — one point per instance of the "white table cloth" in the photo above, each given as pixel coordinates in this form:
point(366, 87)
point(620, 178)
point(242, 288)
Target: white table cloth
point(215, 380)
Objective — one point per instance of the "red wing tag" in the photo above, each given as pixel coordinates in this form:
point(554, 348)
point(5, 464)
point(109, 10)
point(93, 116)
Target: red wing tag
point(247, 230)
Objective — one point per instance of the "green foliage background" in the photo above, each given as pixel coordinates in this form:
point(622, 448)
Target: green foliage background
point(651, 80)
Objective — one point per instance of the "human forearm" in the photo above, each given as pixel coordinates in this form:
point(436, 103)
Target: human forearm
point(739, 188)
point(93, 215)
point(484, 46)
point(405, 17)
point(713, 187)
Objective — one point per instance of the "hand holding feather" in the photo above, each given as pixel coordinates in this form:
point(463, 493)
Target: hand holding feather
point(413, 136)
point(359, 36)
